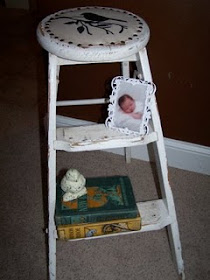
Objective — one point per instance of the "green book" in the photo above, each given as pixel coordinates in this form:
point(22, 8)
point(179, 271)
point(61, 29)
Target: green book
point(107, 198)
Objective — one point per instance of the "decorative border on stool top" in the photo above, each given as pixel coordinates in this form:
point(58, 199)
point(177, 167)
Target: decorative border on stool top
point(75, 28)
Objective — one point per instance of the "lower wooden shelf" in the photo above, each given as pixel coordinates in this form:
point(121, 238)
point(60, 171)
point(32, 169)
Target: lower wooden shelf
point(154, 215)
point(97, 137)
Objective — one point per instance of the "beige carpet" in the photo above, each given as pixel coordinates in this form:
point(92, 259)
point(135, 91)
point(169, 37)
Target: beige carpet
point(23, 186)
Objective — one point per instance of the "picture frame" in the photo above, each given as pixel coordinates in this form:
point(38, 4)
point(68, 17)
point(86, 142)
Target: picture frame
point(130, 102)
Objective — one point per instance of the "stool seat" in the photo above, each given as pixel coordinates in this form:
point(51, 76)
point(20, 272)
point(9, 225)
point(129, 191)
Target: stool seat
point(93, 34)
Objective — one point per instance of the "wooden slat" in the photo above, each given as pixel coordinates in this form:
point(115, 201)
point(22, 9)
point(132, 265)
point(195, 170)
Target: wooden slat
point(62, 61)
point(96, 137)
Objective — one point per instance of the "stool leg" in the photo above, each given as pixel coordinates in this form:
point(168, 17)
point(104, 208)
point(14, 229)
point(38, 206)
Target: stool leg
point(161, 161)
point(125, 69)
point(52, 94)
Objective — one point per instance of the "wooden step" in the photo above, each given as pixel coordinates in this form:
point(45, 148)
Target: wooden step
point(97, 137)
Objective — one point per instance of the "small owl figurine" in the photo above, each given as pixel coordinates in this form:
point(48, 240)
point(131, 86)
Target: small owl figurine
point(73, 184)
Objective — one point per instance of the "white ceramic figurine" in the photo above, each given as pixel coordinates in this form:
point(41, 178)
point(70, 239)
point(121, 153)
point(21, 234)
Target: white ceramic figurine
point(73, 184)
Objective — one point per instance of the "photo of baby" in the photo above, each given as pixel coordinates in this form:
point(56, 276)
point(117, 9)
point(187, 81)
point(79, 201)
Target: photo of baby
point(129, 111)
point(130, 106)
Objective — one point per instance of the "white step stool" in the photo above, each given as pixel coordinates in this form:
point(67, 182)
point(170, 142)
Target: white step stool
point(101, 35)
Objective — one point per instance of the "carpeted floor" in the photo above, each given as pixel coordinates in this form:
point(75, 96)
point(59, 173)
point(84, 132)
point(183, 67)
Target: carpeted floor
point(23, 196)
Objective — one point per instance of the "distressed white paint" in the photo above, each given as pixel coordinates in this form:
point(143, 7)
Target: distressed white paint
point(97, 137)
point(82, 102)
point(161, 161)
point(155, 214)
point(125, 70)
point(52, 96)
point(130, 58)
point(180, 154)
point(120, 35)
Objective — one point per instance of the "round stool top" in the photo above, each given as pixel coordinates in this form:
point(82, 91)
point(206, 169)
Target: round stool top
point(93, 34)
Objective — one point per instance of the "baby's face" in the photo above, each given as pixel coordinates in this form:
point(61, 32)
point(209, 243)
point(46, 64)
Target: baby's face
point(128, 106)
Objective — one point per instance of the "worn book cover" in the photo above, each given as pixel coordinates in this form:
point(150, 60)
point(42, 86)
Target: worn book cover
point(107, 198)
point(96, 229)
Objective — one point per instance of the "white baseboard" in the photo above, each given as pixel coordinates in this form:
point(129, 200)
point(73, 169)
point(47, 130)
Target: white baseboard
point(182, 155)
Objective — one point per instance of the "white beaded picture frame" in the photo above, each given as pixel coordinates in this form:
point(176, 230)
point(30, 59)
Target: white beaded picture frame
point(129, 108)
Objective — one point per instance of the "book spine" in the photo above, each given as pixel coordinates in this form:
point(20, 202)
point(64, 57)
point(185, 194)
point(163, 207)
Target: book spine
point(66, 232)
point(95, 218)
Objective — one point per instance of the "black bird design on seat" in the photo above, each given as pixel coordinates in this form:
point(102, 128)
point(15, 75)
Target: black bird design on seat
point(92, 20)
point(97, 18)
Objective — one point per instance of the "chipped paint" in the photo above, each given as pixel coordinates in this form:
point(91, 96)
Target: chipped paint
point(41, 29)
point(155, 214)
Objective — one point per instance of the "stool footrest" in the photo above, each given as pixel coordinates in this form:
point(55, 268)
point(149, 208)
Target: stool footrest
point(97, 137)
point(82, 102)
